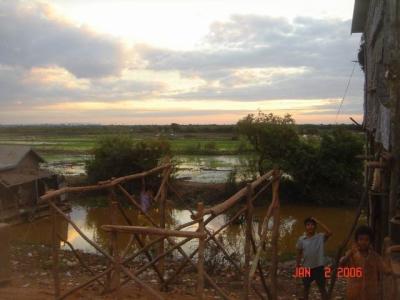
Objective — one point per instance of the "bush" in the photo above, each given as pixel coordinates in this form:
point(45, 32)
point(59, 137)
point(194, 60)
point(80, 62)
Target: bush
point(230, 184)
point(210, 148)
point(118, 156)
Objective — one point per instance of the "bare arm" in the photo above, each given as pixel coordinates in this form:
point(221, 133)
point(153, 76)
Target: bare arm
point(328, 233)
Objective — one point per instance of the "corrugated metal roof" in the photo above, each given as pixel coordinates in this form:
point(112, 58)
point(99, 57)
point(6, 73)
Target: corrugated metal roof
point(360, 14)
point(12, 155)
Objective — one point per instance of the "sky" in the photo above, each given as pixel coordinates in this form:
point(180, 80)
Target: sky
point(181, 61)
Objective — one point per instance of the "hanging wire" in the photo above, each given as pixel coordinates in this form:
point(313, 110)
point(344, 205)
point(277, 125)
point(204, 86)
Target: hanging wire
point(345, 91)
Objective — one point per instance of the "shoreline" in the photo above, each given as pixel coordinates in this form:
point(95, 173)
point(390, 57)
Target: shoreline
point(31, 267)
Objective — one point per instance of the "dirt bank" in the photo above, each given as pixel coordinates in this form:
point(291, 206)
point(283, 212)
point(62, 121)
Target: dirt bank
point(31, 268)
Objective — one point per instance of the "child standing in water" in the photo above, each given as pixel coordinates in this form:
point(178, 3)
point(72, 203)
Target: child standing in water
point(361, 255)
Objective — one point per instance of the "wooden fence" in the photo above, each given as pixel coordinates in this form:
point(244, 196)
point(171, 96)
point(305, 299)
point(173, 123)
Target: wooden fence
point(119, 271)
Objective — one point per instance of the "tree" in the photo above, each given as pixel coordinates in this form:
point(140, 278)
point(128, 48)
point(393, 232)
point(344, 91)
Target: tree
point(115, 156)
point(274, 138)
point(175, 127)
point(322, 169)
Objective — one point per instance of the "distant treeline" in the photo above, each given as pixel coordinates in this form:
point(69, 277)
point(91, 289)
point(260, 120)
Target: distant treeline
point(173, 128)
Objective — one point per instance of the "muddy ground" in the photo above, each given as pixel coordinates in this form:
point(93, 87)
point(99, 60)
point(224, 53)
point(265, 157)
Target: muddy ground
point(32, 279)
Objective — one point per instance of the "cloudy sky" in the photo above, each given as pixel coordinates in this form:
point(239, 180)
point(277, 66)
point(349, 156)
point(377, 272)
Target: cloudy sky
point(184, 61)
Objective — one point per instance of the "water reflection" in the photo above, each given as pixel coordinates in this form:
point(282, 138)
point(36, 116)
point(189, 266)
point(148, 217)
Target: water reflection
point(196, 168)
point(89, 220)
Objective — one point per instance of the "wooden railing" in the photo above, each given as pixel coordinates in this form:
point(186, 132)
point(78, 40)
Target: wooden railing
point(119, 259)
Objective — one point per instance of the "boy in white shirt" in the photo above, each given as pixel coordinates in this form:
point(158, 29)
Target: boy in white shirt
point(310, 254)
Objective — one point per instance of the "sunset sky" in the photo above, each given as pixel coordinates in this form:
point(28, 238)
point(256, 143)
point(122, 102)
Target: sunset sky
point(183, 61)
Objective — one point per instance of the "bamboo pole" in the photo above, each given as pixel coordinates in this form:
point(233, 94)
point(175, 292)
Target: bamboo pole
point(151, 292)
point(89, 241)
point(181, 251)
point(79, 258)
point(152, 231)
point(186, 261)
point(220, 208)
point(86, 283)
point(260, 271)
point(249, 232)
point(102, 185)
point(156, 259)
point(162, 204)
point(116, 282)
point(264, 226)
point(140, 242)
point(112, 207)
point(275, 237)
point(345, 242)
point(56, 247)
point(200, 259)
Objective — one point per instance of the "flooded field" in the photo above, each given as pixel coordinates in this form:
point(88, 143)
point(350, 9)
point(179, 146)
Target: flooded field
point(196, 168)
point(90, 220)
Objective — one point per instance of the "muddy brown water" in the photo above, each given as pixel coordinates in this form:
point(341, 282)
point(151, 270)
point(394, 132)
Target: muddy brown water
point(90, 219)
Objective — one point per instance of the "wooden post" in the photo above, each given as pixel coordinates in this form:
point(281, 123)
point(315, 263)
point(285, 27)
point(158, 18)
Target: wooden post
point(2, 210)
point(275, 235)
point(55, 251)
point(5, 269)
point(113, 207)
point(247, 246)
point(200, 260)
point(162, 204)
point(116, 283)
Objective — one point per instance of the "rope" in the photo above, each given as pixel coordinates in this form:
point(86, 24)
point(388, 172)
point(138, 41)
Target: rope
point(345, 91)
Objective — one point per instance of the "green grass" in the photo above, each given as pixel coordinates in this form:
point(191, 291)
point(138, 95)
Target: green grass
point(82, 144)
